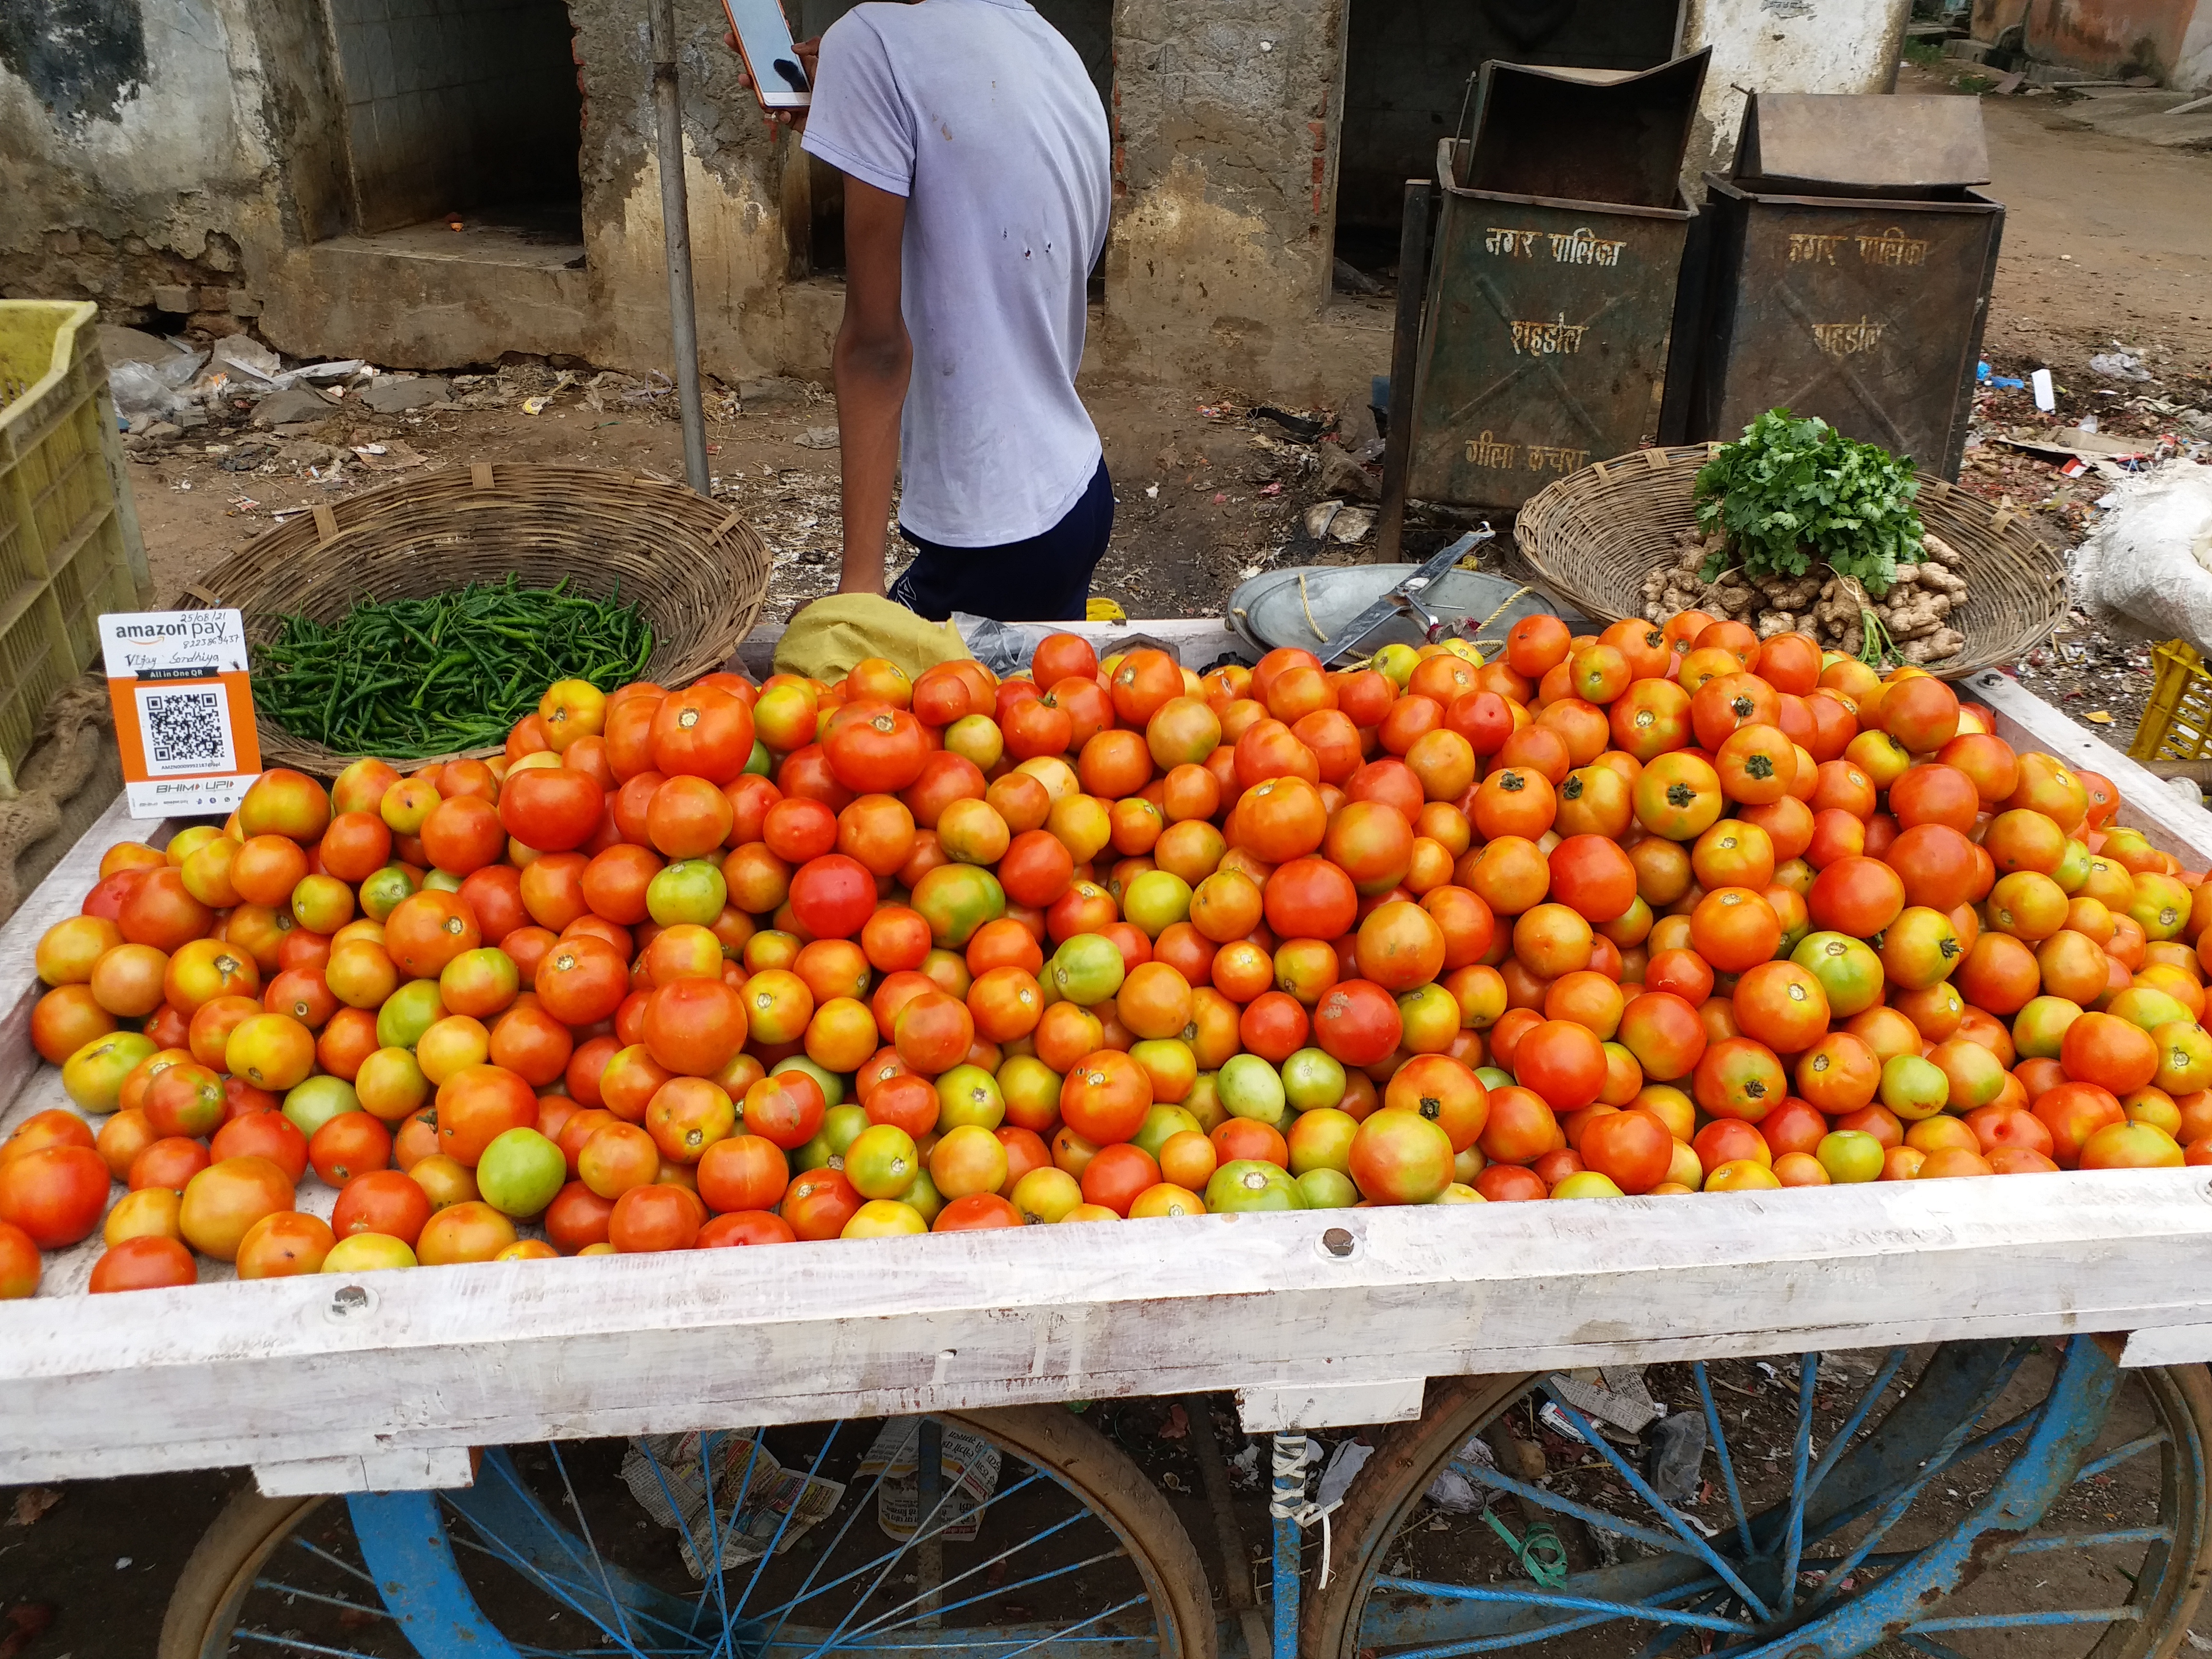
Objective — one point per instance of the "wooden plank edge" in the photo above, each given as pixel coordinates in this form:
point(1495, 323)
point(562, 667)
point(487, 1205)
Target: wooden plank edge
point(54, 899)
point(2026, 721)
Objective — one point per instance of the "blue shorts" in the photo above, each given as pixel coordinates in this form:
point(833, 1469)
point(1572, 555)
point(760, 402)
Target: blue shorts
point(1044, 578)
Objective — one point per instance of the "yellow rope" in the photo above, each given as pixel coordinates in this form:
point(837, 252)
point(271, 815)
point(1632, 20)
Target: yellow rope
point(1310, 622)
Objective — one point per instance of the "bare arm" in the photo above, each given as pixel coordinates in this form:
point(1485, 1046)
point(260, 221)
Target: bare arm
point(872, 361)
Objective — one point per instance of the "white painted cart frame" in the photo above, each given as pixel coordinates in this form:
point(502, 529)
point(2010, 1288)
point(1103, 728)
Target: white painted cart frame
point(385, 1381)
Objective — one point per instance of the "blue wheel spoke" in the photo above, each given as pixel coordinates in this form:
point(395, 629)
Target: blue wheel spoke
point(1948, 1450)
point(1544, 1497)
point(572, 1595)
point(1137, 1599)
point(620, 1632)
point(2085, 1541)
point(776, 1542)
point(341, 1564)
point(1664, 1639)
point(2024, 1423)
point(1892, 1363)
point(561, 1588)
point(2012, 1620)
point(297, 1645)
point(691, 1539)
point(1793, 1529)
point(1659, 1505)
point(782, 1610)
point(1536, 1598)
point(806, 1594)
point(2120, 1455)
point(985, 1566)
point(985, 1596)
point(282, 1588)
point(921, 1531)
point(1719, 1432)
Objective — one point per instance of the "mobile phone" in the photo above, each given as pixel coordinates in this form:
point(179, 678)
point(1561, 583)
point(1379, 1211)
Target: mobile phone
point(764, 39)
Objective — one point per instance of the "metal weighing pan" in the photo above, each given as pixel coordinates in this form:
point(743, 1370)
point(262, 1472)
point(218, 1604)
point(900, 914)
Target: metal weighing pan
point(1268, 611)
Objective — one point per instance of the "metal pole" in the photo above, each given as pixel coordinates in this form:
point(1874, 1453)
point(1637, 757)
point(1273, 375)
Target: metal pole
point(676, 226)
point(928, 1490)
point(1405, 361)
point(1288, 1497)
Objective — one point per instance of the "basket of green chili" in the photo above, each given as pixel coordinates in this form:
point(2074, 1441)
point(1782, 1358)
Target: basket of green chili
point(420, 621)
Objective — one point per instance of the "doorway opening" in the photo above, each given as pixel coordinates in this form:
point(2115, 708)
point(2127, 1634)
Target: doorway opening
point(1408, 66)
point(463, 123)
point(814, 192)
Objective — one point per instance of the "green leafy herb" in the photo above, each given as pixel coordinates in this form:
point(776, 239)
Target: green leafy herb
point(405, 678)
point(1793, 494)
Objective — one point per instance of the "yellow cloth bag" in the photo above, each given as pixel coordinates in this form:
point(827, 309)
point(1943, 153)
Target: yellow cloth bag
point(829, 636)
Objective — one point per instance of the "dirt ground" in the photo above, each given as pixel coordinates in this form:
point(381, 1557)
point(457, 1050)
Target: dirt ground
point(2108, 242)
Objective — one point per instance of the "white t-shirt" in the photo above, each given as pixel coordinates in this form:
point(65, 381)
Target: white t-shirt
point(979, 113)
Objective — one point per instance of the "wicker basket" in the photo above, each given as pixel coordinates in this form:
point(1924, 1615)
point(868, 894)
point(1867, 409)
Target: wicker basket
point(1592, 537)
point(694, 569)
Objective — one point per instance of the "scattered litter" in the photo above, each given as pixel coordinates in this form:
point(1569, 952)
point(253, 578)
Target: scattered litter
point(818, 437)
point(1676, 1457)
point(121, 1562)
point(1346, 1461)
point(1244, 1467)
point(1318, 517)
point(2102, 717)
point(32, 1504)
point(970, 1475)
point(244, 355)
point(1172, 1482)
point(753, 1493)
point(1989, 377)
point(1615, 1394)
point(1351, 525)
point(1275, 488)
point(1152, 492)
point(2046, 391)
point(536, 405)
point(2146, 571)
point(2118, 366)
point(1305, 427)
point(1556, 1420)
point(1177, 1426)
point(393, 455)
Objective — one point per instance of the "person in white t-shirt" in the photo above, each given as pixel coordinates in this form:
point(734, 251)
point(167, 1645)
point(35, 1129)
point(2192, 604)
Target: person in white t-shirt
point(978, 185)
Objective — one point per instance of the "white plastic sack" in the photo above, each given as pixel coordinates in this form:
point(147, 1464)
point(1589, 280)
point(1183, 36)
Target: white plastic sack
point(142, 389)
point(2146, 570)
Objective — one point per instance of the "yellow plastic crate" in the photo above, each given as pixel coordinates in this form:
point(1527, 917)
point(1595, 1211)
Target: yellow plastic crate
point(68, 534)
point(2177, 722)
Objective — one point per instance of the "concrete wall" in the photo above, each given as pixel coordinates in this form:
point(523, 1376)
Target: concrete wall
point(2116, 39)
point(137, 150)
point(1784, 45)
point(1226, 120)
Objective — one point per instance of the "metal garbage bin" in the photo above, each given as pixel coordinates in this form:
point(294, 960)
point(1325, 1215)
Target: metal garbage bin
point(1850, 271)
point(1551, 290)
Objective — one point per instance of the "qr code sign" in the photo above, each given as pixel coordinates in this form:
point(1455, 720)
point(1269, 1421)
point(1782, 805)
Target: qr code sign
point(186, 730)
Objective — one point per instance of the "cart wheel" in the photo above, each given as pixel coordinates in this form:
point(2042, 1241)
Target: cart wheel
point(1844, 1499)
point(581, 1547)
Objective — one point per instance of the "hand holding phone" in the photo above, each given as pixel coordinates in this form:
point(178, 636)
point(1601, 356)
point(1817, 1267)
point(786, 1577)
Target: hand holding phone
point(780, 71)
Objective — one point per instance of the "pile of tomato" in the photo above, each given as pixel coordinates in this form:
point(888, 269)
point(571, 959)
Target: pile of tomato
point(1666, 909)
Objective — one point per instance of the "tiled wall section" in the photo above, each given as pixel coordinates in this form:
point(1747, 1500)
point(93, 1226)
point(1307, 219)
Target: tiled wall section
point(456, 104)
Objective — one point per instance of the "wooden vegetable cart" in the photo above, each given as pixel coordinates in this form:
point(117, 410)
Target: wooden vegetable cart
point(506, 1458)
